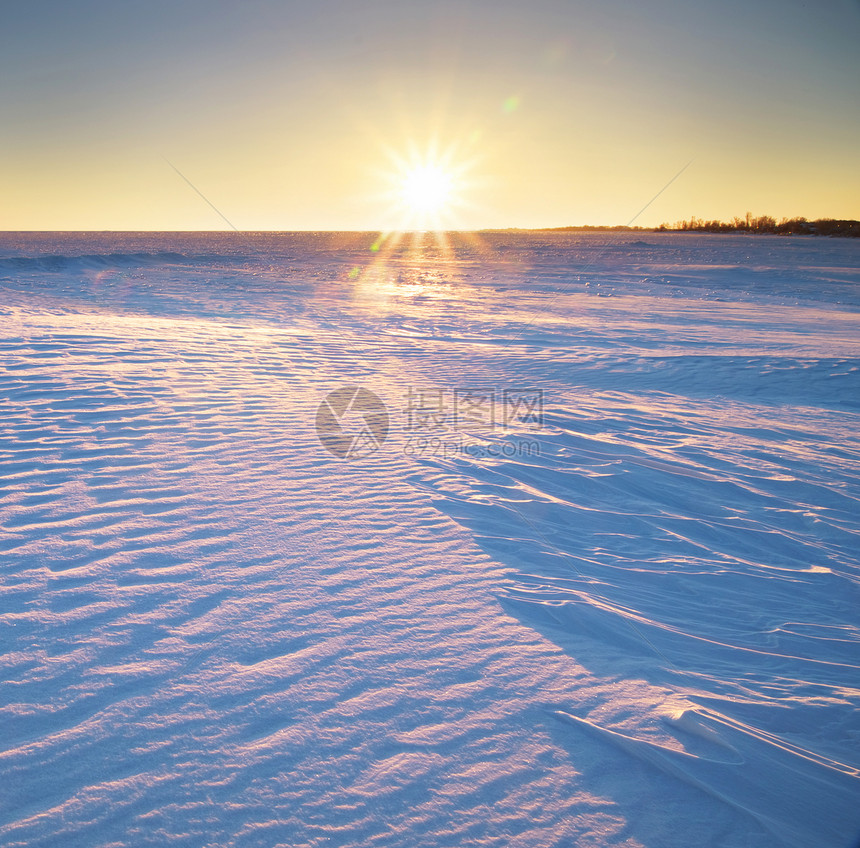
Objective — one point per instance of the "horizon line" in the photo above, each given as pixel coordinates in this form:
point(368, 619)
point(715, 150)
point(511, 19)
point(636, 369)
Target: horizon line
point(665, 227)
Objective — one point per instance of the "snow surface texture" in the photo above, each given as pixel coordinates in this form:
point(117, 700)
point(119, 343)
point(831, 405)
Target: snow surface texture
point(625, 616)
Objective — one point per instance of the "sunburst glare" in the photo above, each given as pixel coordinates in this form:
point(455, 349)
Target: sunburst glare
point(426, 188)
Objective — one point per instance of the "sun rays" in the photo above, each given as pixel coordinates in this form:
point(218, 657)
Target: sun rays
point(426, 188)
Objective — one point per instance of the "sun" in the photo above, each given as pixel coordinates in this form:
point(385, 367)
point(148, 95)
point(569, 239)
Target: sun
point(425, 186)
point(426, 189)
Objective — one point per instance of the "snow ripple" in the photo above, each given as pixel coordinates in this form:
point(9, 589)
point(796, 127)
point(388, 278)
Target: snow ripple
point(643, 631)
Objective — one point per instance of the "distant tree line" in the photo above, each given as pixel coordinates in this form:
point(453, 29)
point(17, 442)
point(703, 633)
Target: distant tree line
point(768, 224)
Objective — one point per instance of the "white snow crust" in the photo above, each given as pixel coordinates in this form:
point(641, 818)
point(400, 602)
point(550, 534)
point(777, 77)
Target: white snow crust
point(629, 618)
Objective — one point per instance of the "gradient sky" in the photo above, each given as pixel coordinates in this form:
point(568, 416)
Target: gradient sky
point(301, 115)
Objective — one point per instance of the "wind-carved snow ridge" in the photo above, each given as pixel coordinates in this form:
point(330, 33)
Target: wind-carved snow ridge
point(710, 554)
point(598, 586)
